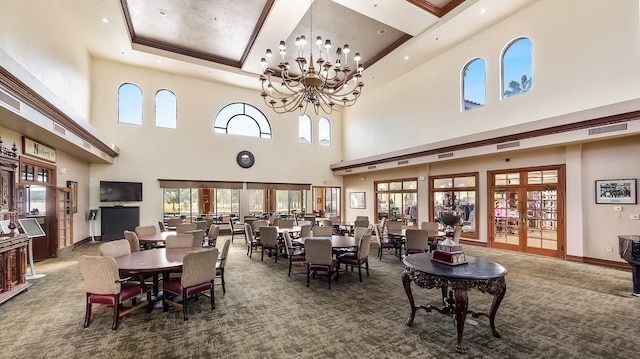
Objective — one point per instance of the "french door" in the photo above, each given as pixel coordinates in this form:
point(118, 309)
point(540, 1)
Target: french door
point(527, 210)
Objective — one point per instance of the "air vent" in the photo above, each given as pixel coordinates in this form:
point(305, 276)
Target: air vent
point(607, 129)
point(445, 155)
point(104, 155)
point(405, 162)
point(10, 101)
point(502, 146)
point(86, 145)
point(347, 171)
point(371, 167)
point(59, 129)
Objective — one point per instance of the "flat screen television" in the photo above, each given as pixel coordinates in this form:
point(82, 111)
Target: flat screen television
point(111, 191)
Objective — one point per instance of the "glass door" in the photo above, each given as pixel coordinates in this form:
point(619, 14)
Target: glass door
point(507, 224)
point(542, 222)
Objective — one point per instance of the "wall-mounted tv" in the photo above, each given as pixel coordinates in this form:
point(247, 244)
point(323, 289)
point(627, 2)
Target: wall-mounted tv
point(120, 191)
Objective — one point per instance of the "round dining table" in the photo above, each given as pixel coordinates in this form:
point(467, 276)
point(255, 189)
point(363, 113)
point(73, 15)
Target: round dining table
point(154, 260)
point(336, 241)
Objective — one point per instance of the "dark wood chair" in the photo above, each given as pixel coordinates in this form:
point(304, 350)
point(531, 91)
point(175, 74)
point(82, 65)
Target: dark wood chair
point(104, 286)
point(269, 241)
point(198, 275)
point(319, 258)
point(250, 240)
point(294, 255)
point(359, 257)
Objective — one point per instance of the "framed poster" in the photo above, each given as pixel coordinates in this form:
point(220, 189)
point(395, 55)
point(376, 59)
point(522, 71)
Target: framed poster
point(357, 200)
point(616, 191)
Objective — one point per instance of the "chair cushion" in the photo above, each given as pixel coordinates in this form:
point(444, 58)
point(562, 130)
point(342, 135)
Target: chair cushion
point(298, 257)
point(174, 286)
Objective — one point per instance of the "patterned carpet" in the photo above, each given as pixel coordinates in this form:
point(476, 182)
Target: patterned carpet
point(552, 309)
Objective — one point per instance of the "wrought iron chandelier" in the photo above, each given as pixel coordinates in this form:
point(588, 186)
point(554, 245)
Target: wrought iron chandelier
point(327, 87)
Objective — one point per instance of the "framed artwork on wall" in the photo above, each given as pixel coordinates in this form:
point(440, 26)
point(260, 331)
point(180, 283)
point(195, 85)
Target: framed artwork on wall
point(614, 191)
point(357, 200)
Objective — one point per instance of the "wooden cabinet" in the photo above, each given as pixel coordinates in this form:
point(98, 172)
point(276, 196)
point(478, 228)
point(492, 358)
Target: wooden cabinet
point(13, 266)
point(13, 247)
point(115, 220)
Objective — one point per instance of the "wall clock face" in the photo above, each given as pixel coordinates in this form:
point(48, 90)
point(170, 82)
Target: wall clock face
point(245, 159)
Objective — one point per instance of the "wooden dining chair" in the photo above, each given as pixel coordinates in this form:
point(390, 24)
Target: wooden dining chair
point(269, 242)
point(198, 237)
point(359, 257)
point(250, 240)
point(198, 275)
point(319, 258)
point(184, 240)
point(115, 248)
point(221, 262)
point(384, 242)
point(236, 228)
point(134, 242)
point(104, 286)
point(161, 226)
point(322, 231)
point(212, 235)
point(183, 227)
point(417, 241)
point(294, 255)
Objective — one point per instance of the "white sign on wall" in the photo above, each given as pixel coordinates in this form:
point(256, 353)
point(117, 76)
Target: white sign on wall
point(35, 149)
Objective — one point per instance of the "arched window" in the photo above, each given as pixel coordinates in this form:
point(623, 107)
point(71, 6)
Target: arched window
point(517, 69)
point(130, 104)
point(242, 119)
point(166, 109)
point(304, 129)
point(474, 85)
point(324, 132)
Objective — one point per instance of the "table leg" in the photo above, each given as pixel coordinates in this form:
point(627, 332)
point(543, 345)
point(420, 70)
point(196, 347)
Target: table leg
point(462, 302)
point(497, 299)
point(406, 282)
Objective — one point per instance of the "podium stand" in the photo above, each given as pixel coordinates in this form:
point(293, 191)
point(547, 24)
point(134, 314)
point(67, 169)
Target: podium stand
point(32, 229)
point(91, 217)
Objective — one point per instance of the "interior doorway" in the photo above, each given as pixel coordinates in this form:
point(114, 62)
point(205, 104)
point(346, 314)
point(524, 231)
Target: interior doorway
point(527, 210)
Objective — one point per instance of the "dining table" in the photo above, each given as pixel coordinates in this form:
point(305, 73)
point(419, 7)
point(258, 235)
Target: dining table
point(337, 241)
point(158, 238)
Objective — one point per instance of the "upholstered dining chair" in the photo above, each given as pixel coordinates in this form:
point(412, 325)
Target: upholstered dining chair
point(392, 228)
point(383, 242)
point(198, 275)
point(146, 231)
point(183, 227)
point(269, 241)
point(326, 223)
point(222, 261)
point(417, 241)
point(198, 237)
point(115, 248)
point(161, 226)
point(305, 230)
point(236, 228)
point(360, 256)
point(173, 222)
point(295, 255)
point(457, 233)
point(250, 240)
point(257, 224)
point(432, 227)
point(132, 238)
point(103, 285)
point(184, 240)
point(320, 260)
point(322, 231)
point(212, 235)
point(286, 223)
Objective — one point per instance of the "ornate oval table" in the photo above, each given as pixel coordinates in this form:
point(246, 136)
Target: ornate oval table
point(481, 274)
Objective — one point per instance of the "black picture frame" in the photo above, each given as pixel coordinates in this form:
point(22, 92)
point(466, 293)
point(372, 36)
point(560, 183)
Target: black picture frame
point(617, 191)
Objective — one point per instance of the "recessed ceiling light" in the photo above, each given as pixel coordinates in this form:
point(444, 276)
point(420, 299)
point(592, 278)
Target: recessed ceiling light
point(483, 10)
point(159, 61)
point(163, 12)
point(105, 20)
point(406, 57)
point(381, 31)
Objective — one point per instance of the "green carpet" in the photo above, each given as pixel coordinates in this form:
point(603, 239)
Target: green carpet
point(552, 309)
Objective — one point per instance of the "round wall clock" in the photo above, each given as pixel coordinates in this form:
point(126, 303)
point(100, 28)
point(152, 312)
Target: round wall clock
point(245, 159)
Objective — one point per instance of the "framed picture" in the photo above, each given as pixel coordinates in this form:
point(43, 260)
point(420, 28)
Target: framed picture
point(73, 196)
point(616, 191)
point(356, 200)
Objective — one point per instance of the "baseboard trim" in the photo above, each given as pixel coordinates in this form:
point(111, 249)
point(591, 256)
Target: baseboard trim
point(600, 262)
point(473, 243)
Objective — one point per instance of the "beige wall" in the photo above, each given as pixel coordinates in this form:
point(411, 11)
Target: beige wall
point(193, 151)
point(31, 33)
point(576, 66)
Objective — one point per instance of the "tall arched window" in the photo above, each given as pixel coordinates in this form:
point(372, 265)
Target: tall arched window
point(240, 118)
point(304, 129)
point(517, 68)
point(474, 84)
point(324, 132)
point(166, 109)
point(130, 104)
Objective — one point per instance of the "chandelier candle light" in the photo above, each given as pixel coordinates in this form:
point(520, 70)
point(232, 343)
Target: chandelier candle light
point(326, 88)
